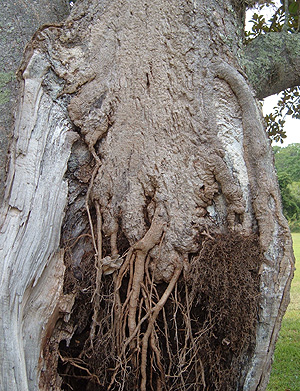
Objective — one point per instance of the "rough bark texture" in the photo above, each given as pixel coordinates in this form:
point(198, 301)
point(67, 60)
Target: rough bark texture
point(18, 22)
point(170, 173)
point(272, 63)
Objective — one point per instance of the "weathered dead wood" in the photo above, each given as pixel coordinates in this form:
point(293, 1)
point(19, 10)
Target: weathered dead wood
point(32, 268)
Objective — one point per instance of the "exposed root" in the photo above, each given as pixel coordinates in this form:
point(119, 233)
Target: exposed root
point(138, 277)
point(87, 199)
point(76, 363)
point(156, 310)
point(98, 266)
point(188, 334)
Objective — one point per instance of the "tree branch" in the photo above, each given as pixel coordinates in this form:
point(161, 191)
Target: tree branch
point(272, 63)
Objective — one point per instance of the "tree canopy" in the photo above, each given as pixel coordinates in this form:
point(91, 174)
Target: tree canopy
point(285, 20)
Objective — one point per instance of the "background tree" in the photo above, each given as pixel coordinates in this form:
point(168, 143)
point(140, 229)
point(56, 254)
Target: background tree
point(143, 241)
point(287, 163)
point(289, 203)
point(285, 19)
point(288, 160)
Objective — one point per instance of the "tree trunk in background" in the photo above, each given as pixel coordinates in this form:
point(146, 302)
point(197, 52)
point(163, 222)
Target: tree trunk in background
point(139, 146)
point(18, 22)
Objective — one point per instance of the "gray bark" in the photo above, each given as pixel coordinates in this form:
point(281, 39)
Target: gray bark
point(18, 22)
point(169, 149)
point(272, 63)
point(32, 271)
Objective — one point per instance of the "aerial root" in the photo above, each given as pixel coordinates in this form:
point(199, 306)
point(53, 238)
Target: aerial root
point(188, 333)
point(134, 318)
point(96, 298)
point(137, 321)
point(158, 307)
point(135, 343)
point(137, 304)
point(87, 199)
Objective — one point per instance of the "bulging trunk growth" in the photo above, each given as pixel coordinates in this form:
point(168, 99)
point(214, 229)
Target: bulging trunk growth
point(175, 260)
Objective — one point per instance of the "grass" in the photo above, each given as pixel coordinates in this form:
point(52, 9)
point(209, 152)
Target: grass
point(285, 375)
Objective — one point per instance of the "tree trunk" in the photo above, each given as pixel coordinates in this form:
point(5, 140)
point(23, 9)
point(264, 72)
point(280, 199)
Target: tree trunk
point(18, 22)
point(139, 145)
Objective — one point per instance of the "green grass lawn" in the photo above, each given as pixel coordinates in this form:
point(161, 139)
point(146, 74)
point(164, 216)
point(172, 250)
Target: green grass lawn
point(285, 375)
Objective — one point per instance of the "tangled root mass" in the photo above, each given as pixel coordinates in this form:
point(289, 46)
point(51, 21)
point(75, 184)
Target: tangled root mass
point(193, 333)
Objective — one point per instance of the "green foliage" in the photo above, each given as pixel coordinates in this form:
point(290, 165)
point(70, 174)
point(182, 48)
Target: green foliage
point(280, 20)
point(291, 208)
point(294, 188)
point(287, 162)
point(287, 20)
point(288, 104)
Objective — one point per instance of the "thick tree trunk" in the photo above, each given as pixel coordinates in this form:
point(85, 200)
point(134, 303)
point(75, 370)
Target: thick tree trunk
point(175, 261)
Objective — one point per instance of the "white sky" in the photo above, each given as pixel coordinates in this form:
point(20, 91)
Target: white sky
point(292, 125)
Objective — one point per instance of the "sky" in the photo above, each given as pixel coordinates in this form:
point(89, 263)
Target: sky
point(292, 126)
